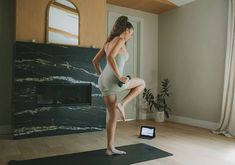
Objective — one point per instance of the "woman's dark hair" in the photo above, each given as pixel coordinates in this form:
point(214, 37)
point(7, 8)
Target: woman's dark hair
point(119, 26)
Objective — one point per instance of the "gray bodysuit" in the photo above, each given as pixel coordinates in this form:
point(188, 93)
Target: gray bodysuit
point(108, 82)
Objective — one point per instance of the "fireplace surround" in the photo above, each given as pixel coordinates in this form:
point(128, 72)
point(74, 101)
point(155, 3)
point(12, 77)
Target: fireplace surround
point(55, 91)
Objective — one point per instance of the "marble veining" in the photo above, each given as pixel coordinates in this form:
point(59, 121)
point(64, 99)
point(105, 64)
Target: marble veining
point(52, 78)
point(67, 65)
point(38, 64)
point(42, 109)
point(30, 130)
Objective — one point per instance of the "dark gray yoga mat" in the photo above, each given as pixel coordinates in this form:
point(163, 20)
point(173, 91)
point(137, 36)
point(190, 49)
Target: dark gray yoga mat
point(135, 153)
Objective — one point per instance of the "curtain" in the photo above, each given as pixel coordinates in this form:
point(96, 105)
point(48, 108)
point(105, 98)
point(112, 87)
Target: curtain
point(227, 120)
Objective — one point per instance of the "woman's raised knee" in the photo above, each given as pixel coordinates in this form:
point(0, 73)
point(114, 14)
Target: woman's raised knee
point(142, 82)
point(141, 85)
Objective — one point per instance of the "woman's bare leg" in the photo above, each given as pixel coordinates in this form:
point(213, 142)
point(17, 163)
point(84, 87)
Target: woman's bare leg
point(110, 102)
point(136, 86)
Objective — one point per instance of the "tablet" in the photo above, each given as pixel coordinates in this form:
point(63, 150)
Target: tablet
point(147, 132)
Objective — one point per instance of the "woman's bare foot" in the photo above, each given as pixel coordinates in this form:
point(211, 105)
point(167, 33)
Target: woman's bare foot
point(114, 152)
point(121, 110)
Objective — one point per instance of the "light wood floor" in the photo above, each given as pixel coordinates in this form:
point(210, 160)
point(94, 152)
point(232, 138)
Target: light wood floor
point(190, 145)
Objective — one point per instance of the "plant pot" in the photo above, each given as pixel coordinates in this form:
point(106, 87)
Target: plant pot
point(159, 116)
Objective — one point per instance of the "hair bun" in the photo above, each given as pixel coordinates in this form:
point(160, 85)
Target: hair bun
point(124, 18)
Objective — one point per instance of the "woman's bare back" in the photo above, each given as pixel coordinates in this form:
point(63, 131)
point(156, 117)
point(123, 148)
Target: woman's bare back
point(109, 46)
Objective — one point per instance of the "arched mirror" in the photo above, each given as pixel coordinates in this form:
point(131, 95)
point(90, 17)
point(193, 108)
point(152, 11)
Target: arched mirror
point(62, 23)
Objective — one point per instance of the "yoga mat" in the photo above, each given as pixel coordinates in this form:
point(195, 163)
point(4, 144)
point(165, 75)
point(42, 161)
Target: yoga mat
point(135, 153)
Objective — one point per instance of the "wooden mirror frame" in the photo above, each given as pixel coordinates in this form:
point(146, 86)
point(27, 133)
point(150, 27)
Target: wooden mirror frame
point(47, 24)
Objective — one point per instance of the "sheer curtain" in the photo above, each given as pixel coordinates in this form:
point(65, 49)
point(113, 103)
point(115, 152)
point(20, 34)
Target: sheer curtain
point(227, 120)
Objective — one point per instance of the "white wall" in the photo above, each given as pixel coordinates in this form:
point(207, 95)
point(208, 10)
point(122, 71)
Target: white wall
point(192, 44)
point(149, 42)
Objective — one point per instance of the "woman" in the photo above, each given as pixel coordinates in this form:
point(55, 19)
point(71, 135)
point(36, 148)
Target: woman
point(116, 55)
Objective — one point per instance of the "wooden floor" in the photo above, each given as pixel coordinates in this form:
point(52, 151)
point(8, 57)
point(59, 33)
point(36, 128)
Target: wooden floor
point(190, 145)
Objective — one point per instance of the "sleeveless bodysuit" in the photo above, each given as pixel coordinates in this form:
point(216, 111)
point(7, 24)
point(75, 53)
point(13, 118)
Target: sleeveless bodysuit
point(108, 82)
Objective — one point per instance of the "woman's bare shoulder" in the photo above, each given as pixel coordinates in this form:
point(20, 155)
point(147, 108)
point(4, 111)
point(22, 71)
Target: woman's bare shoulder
point(115, 41)
point(118, 39)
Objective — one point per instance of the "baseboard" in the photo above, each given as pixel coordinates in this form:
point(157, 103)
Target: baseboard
point(5, 129)
point(126, 120)
point(193, 122)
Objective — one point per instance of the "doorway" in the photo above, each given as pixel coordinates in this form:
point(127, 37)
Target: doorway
point(132, 66)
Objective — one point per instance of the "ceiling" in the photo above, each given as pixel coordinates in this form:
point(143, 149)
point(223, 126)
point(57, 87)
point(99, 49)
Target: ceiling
point(181, 2)
point(152, 6)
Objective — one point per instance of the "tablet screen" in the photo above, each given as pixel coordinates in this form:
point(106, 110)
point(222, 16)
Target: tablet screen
point(147, 131)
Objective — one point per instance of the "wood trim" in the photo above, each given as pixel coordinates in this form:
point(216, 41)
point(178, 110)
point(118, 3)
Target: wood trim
point(166, 2)
point(47, 22)
point(64, 8)
point(62, 32)
point(152, 6)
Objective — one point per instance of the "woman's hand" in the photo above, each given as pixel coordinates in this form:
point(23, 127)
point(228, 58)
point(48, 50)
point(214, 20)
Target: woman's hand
point(124, 79)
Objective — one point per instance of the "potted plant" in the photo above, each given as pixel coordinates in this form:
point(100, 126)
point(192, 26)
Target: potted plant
point(158, 103)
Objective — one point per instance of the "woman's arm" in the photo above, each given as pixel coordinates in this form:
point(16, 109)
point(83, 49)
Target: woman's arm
point(96, 60)
point(117, 46)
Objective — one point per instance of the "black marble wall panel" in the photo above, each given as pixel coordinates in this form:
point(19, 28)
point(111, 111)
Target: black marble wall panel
point(37, 64)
